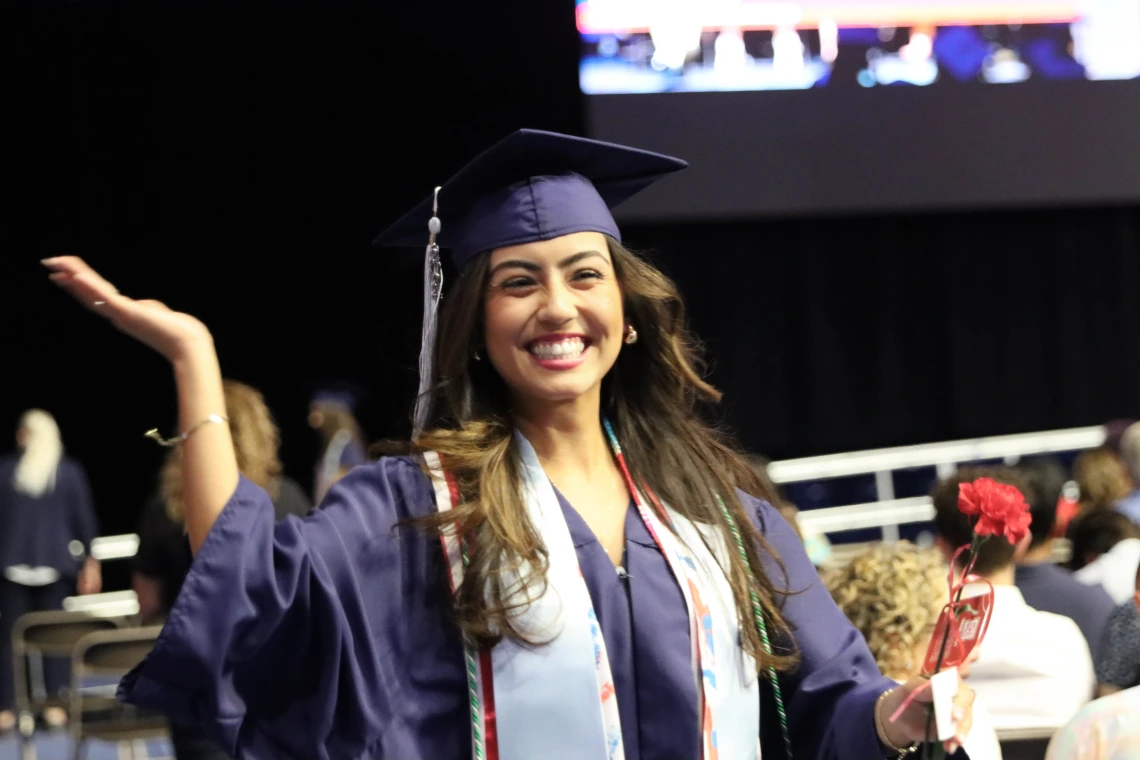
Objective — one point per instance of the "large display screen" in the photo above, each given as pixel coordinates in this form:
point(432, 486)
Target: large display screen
point(840, 104)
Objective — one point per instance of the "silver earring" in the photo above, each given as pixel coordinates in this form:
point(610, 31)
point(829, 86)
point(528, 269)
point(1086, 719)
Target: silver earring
point(630, 336)
point(477, 357)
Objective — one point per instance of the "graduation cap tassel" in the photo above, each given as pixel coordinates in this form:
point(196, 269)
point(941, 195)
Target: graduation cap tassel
point(433, 289)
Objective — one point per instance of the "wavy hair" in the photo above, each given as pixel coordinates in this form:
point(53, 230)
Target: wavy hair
point(652, 395)
point(893, 594)
point(256, 441)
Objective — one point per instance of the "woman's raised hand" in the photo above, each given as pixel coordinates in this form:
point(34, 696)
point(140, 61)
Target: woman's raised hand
point(168, 332)
point(209, 466)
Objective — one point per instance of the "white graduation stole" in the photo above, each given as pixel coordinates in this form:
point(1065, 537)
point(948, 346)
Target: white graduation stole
point(556, 701)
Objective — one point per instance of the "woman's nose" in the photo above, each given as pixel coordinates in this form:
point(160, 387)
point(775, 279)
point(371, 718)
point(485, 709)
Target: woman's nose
point(558, 307)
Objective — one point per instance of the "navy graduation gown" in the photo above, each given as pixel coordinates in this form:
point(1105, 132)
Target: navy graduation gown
point(330, 637)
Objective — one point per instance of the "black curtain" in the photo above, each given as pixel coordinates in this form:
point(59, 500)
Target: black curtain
point(837, 334)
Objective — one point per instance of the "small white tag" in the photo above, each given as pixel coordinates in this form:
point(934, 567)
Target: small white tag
point(943, 689)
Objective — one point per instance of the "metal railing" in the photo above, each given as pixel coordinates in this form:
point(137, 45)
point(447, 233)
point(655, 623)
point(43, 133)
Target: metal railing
point(109, 603)
point(106, 604)
point(888, 512)
point(875, 514)
point(123, 546)
point(946, 454)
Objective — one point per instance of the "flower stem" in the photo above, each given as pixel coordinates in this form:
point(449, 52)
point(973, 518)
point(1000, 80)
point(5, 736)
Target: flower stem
point(937, 747)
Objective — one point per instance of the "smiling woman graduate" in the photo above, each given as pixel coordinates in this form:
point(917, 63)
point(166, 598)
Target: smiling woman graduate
point(566, 563)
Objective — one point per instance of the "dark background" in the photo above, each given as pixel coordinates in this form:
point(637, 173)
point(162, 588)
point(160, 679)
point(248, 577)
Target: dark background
point(845, 148)
point(235, 160)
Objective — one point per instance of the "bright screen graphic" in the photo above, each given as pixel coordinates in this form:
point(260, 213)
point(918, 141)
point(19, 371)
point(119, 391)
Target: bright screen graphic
point(826, 106)
point(642, 46)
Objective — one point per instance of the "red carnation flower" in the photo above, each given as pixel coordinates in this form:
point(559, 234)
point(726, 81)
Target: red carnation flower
point(1001, 509)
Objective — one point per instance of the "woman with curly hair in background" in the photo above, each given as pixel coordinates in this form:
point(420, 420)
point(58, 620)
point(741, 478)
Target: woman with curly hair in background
point(164, 555)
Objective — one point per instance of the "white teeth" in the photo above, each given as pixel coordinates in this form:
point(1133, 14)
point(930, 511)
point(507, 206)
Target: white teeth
point(571, 348)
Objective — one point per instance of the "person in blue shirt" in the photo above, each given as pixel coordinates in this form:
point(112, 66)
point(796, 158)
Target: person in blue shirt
point(47, 523)
point(1130, 453)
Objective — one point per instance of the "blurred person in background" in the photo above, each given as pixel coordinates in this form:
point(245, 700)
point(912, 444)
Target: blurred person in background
point(893, 593)
point(1044, 584)
point(1102, 478)
point(1105, 729)
point(164, 556)
point(332, 415)
point(1118, 667)
point(47, 523)
point(1106, 552)
point(1114, 431)
point(1130, 454)
point(1033, 668)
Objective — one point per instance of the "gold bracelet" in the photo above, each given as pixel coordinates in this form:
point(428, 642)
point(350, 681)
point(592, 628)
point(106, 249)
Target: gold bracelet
point(216, 419)
point(880, 729)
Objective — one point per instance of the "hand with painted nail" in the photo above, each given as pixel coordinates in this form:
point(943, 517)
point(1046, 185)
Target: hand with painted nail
point(168, 332)
point(909, 726)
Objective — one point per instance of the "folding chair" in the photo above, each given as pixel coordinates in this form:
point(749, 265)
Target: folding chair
point(1024, 744)
point(45, 634)
point(95, 713)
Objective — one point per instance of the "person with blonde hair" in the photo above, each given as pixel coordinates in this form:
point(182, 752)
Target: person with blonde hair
point(566, 562)
point(893, 594)
point(164, 557)
point(47, 523)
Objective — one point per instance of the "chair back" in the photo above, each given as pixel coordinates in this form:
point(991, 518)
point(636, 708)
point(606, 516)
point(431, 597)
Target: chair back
point(54, 633)
point(1025, 744)
point(95, 712)
point(113, 652)
point(48, 634)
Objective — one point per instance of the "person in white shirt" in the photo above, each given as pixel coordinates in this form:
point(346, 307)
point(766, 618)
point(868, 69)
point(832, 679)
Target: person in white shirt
point(1033, 669)
point(1106, 551)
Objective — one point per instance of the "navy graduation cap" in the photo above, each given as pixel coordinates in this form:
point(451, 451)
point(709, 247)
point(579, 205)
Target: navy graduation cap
point(530, 186)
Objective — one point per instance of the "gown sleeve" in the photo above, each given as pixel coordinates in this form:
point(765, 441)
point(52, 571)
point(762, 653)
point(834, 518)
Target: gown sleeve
point(275, 646)
point(830, 698)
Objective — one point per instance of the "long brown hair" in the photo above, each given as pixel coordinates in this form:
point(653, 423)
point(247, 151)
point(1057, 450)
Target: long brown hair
point(651, 395)
point(256, 441)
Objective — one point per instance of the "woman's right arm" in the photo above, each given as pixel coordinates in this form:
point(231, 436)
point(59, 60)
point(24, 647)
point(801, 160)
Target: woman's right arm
point(278, 643)
point(209, 467)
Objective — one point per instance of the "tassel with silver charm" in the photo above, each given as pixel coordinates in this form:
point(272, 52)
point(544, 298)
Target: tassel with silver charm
point(433, 290)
